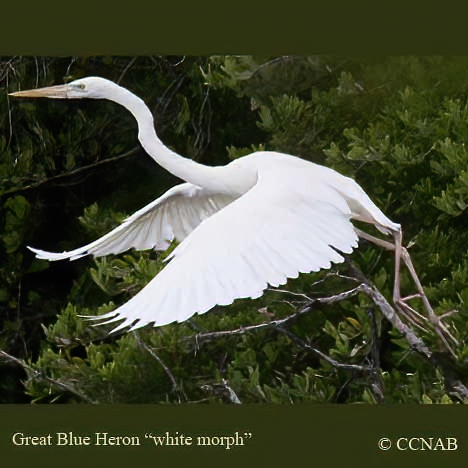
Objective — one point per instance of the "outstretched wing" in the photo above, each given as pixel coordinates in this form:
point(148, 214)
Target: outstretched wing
point(283, 226)
point(174, 215)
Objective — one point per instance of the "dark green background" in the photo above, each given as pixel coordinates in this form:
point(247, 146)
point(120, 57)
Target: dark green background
point(318, 435)
point(295, 436)
point(274, 27)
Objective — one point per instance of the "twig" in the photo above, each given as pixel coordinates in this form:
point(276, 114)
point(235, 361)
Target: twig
point(444, 363)
point(222, 390)
point(199, 140)
point(71, 173)
point(160, 361)
point(376, 386)
point(67, 73)
point(388, 311)
point(284, 58)
point(129, 65)
point(324, 356)
point(166, 101)
point(34, 374)
point(280, 322)
point(292, 293)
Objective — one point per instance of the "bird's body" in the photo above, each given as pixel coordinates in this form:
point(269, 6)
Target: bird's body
point(259, 220)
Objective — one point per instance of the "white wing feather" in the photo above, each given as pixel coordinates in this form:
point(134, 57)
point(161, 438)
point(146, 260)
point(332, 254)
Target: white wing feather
point(172, 216)
point(278, 229)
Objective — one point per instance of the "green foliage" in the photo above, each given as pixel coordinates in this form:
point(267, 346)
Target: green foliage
point(16, 217)
point(397, 125)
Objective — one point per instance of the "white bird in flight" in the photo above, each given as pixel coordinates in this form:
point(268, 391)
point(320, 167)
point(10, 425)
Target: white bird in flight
point(257, 221)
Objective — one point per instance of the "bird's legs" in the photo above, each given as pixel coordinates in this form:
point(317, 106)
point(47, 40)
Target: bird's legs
point(401, 303)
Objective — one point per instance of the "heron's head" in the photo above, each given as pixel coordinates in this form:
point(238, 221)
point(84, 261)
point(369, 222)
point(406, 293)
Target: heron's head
point(92, 87)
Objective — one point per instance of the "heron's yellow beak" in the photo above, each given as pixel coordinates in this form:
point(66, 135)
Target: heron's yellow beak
point(54, 92)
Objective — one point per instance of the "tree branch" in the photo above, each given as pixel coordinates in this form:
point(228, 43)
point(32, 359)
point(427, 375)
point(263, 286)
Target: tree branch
point(444, 363)
point(325, 357)
point(175, 386)
point(280, 322)
point(71, 173)
point(34, 374)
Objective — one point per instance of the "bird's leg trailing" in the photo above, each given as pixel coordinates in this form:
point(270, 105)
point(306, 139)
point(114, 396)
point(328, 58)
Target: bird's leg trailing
point(401, 303)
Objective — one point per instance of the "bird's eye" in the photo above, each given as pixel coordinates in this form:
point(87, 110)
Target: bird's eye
point(81, 86)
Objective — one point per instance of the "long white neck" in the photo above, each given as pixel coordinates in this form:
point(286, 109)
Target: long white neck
point(185, 169)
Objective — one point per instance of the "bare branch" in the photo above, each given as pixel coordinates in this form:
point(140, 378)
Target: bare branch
point(129, 65)
point(444, 363)
point(222, 390)
point(175, 386)
point(72, 173)
point(34, 374)
point(280, 322)
point(325, 357)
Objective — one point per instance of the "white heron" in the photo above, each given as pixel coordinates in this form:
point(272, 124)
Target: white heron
point(255, 222)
